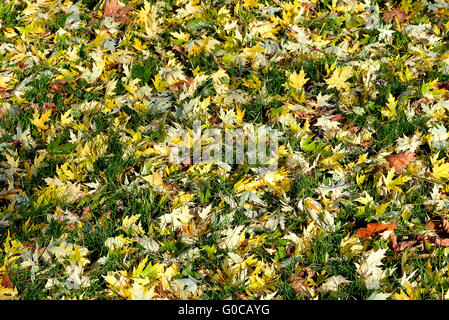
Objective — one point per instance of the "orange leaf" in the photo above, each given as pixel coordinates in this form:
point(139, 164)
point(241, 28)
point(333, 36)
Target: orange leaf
point(375, 228)
point(400, 160)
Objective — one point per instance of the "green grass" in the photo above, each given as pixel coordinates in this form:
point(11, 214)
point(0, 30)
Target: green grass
point(137, 180)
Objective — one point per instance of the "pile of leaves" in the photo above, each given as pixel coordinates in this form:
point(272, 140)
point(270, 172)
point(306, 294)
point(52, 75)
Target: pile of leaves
point(94, 95)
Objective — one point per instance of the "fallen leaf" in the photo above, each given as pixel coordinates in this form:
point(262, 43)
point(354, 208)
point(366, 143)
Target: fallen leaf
point(439, 224)
point(395, 15)
point(241, 296)
point(308, 5)
point(400, 160)
point(442, 85)
point(113, 10)
point(56, 86)
point(375, 228)
point(394, 242)
point(442, 242)
point(299, 282)
point(404, 244)
point(6, 281)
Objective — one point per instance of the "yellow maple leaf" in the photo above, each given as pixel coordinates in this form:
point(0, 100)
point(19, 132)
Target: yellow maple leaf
point(239, 114)
point(247, 185)
point(250, 4)
point(297, 80)
point(39, 121)
point(411, 294)
point(440, 169)
point(390, 110)
point(159, 84)
point(8, 293)
point(339, 77)
point(155, 179)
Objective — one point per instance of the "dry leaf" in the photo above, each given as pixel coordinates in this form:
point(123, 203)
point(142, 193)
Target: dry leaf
point(442, 242)
point(241, 296)
point(375, 228)
point(442, 85)
point(6, 281)
point(404, 244)
point(394, 242)
point(113, 10)
point(299, 282)
point(439, 224)
point(395, 15)
point(400, 160)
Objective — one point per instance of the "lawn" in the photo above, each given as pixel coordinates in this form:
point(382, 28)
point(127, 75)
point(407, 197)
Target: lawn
point(96, 97)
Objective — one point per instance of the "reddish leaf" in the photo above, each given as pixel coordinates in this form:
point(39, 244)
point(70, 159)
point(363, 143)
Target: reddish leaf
point(113, 10)
point(395, 15)
point(442, 85)
point(241, 296)
point(308, 5)
point(299, 281)
point(404, 244)
point(375, 228)
point(400, 160)
point(6, 281)
point(57, 85)
point(337, 117)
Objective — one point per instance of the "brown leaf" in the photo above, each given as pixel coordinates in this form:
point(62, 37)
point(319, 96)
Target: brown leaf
point(442, 85)
point(303, 115)
point(57, 85)
point(375, 228)
point(6, 281)
point(442, 242)
point(241, 296)
point(299, 281)
point(439, 224)
point(354, 129)
point(337, 117)
point(308, 5)
point(394, 242)
point(400, 160)
point(85, 214)
point(404, 244)
point(395, 15)
point(113, 10)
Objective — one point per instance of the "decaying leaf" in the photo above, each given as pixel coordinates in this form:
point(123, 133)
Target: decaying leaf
point(299, 281)
point(400, 161)
point(395, 15)
point(6, 281)
point(114, 10)
point(439, 224)
point(394, 242)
